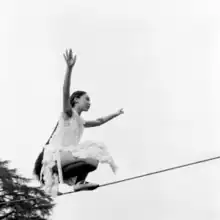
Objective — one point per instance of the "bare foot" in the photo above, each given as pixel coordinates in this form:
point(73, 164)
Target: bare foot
point(85, 186)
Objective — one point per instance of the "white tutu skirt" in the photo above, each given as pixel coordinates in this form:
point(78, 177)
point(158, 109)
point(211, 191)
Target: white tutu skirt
point(87, 149)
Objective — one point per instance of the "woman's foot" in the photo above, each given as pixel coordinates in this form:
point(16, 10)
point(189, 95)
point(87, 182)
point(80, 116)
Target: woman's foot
point(71, 181)
point(64, 188)
point(83, 185)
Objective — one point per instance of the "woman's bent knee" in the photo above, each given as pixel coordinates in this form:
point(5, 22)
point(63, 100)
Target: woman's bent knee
point(92, 163)
point(66, 158)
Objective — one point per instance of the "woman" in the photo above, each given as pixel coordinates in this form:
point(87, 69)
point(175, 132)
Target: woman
point(64, 148)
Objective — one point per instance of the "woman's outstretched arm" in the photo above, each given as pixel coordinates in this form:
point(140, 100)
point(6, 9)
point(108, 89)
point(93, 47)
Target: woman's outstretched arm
point(70, 61)
point(102, 120)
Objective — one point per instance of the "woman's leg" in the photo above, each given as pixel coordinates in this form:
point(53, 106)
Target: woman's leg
point(90, 166)
point(77, 167)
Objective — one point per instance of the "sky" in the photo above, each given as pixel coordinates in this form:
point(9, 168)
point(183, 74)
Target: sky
point(159, 60)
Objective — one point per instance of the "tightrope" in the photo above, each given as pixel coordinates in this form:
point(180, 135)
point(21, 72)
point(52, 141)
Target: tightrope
point(153, 173)
point(129, 179)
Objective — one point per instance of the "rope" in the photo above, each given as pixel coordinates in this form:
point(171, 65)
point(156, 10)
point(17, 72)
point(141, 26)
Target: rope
point(131, 178)
point(153, 173)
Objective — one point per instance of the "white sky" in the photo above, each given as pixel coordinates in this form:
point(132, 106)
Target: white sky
point(159, 60)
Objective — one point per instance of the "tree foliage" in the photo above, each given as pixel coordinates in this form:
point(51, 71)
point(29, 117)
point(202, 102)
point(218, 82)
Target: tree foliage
point(33, 204)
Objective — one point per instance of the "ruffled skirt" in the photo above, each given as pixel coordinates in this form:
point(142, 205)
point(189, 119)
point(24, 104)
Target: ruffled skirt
point(88, 149)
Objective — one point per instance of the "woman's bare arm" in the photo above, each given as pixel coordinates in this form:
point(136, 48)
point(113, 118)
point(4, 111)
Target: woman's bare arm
point(70, 61)
point(102, 120)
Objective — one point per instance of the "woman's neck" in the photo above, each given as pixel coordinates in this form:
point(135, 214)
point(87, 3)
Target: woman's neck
point(78, 110)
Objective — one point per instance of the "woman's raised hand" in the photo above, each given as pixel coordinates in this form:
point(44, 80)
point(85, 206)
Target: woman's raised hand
point(69, 58)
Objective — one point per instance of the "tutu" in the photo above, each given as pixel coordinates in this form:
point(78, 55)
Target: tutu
point(67, 138)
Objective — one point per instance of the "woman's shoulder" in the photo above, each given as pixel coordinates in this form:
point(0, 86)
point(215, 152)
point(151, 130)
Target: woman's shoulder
point(73, 117)
point(67, 115)
point(71, 114)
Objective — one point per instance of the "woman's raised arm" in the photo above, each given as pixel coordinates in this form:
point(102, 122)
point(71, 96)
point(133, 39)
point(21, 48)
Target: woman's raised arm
point(70, 61)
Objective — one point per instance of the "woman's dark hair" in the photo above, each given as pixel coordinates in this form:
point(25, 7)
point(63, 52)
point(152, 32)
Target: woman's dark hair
point(38, 162)
point(76, 95)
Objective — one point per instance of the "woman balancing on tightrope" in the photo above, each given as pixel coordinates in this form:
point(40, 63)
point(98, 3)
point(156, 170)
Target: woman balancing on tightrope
point(64, 147)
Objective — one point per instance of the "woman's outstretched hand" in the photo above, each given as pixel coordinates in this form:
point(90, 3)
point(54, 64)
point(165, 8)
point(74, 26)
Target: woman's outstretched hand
point(120, 111)
point(69, 58)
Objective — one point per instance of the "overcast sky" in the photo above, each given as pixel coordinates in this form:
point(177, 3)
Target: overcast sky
point(159, 60)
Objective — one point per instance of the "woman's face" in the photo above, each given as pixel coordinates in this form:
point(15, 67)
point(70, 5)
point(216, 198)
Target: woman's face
point(84, 102)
